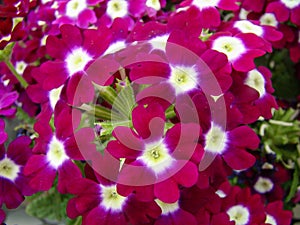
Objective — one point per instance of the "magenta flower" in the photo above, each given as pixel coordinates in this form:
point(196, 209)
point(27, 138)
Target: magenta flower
point(276, 214)
point(46, 98)
point(7, 99)
point(98, 201)
point(2, 216)
point(156, 164)
point(54, 152)
point(14, 184)
point(77, 12)
point(73, 53)
point(176, 77)
point(153, 7)
point(208, 13)
point(253, 94)
point(122, 9)
point(240, 49)
point(232, 145)
point(268, 33)
point(285, 10)
point(243, 208)
point(254, 5)
point(3, 134)
point(172, 213)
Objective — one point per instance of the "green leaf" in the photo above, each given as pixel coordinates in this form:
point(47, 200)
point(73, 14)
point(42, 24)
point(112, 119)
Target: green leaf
point(294, 185)
point(49, 205)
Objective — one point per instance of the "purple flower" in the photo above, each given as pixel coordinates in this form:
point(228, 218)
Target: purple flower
point(3, 134)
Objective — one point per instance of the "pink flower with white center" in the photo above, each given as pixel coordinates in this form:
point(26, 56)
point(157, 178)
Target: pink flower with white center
point(14, 184)
point(77, 12)
point(156, 164)
point(240, 49)
point(154, 6)
point(122, 9)
point(267, 33)
point(285, 10)
point(268, 19)
point(54, 152)
point(99, 203)
point(242, 207)
point(173, 76)
point(47, 98)
point(232, 145)
point(172, 213)
point(253, 94)
point(73, 53)
point(207, 10)
point(275, 214)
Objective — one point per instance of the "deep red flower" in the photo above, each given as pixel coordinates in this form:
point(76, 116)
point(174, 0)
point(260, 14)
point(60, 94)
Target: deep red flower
point(208, 13)
point(54, 152)
point(253, 94)
point(285, 10)
point(156, 163)
point(73, 53)
point(276, 214)
point(14, 184)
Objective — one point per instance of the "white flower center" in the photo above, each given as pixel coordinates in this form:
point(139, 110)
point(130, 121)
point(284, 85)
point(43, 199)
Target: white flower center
point(267, 166)
point(239, 214)
point(268, 19)
point(45, 1)
point(248, 27)
point(243, 14)
point(221, 193)
point(167, 208)
point(115, 47)
point(155, 4)
point(256, 81)
point(74, 7)
point(202, 4)
point(271, 220)
point(77, 60)
point(291, 3)
point(43, 40)
point(159, 42)
point(215, 140)
point(6, 38)
point(54, 96)
point(263, 185)
point(157, 157)
point(117, 8)
point(111, 200)
point(183, 79)
point(8, 169)
point(20, 67)
point(230, 46)
point(56, 154)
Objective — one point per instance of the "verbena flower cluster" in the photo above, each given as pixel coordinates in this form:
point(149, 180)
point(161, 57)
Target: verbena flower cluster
point(142, 110)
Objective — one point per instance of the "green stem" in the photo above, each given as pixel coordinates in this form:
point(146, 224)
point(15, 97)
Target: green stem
point(170, 112)
point(11, 67)
point(78, 221)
